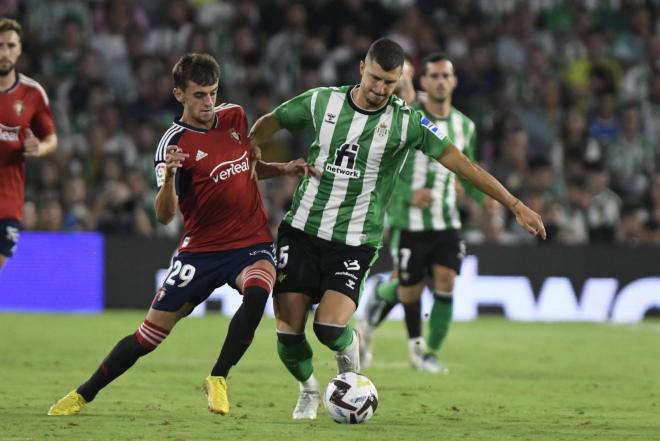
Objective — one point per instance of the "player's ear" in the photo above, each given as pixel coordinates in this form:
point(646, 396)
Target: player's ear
point(178, 94)
point(361, 67)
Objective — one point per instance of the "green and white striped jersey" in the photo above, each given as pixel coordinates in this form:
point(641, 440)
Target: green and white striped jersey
point(359, 154)
point(420, 171)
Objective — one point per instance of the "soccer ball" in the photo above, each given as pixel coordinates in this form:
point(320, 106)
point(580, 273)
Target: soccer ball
point(350, 398)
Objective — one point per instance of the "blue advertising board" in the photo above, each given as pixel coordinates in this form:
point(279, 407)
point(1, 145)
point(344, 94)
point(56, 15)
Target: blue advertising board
point(54, 272)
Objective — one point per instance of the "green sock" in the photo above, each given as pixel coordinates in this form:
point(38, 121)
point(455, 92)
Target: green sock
point(439, 320)
point(387, 291)
point(297, 359)
point(345, 339)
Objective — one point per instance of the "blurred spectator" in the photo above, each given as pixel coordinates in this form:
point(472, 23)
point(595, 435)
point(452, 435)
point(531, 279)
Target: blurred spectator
point(651, 112)
point(638, 79)
point(76, 212)
point(50, 215)
point(604, 126)
point(573, 227)
point(510, 166)
point(173, 34)
point(603, 213)
point(630, 158)
point(575, 146)
point(542, 119)
point(578, 71)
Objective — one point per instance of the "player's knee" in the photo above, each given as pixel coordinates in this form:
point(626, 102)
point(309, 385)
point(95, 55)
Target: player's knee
point(290, 339)
point(328, 333)
point(149, 335)
point(258, 279)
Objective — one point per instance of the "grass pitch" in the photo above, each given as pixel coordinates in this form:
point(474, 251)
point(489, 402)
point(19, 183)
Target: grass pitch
point(508, 380)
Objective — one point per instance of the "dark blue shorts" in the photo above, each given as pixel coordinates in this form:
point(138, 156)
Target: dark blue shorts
point(8, 236)
point(192, 277)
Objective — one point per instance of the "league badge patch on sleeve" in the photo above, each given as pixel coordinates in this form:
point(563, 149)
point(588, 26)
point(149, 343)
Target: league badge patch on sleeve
point(161, 172)
point(432, 128)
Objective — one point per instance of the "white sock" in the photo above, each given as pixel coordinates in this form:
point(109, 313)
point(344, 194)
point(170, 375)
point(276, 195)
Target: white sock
point(310, 384)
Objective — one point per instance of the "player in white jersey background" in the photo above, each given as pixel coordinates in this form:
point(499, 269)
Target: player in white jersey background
point(328, 240)
point(425, 223)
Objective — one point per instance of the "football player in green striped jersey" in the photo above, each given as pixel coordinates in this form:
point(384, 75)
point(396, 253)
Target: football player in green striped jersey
point(425, 234)
point(329, 238)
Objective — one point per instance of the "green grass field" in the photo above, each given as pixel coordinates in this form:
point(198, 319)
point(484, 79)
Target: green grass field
point(508, 381)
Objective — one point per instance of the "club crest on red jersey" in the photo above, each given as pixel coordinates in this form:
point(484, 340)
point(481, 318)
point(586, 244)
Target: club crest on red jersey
point(234, 134)
point(19, 108)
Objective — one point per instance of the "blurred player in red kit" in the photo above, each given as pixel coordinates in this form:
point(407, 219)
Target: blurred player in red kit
point(203, 165)
point(26, 129)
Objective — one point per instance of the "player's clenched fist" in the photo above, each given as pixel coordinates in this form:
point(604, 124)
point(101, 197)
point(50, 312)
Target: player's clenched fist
point(174, 159)
point(31, 144)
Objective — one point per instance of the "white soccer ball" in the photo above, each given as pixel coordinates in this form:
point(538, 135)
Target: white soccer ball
point(350, 398)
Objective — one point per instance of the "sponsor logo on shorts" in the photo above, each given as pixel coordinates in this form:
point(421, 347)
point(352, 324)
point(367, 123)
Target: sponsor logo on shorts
point(281, 277)
point(352, 265)
point(350, 284)
point(461, 250)
point(161, 293)
point(12, 234)
point(349, 275)
point(268, 253)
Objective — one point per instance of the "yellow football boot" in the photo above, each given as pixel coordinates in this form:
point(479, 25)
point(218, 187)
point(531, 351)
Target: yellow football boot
point(71, 404)
point(216, 392)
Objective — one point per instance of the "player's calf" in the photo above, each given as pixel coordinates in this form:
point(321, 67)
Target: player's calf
point(123, 356)
point(257, 285)
point(344, 340)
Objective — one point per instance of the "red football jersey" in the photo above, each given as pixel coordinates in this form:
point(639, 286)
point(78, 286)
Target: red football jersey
point(24, 105)
point(220, 203)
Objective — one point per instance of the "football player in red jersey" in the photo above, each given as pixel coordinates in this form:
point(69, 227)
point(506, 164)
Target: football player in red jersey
point(202, 166)
point(26, 129)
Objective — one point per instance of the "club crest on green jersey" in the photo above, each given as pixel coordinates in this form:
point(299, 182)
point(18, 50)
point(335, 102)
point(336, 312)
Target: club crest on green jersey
point(382, 129)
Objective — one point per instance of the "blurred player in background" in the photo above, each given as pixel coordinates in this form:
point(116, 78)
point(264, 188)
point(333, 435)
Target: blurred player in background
point(26, 129)
point(329, 238)
point(202, 164)
point(425, 236)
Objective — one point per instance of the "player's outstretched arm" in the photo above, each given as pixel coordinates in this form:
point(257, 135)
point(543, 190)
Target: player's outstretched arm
point(261, 132)
point(264, 129)
point(456, 161)
point(297, 167)
point(166, 199)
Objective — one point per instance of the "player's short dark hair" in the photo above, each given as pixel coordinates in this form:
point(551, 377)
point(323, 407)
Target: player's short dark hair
point(433, 58)
point(7, 24)
point(388, 53)
point(201, 69)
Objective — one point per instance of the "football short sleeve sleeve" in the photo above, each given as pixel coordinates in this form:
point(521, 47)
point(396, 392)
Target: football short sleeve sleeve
point(297, 113)
point(42, 121)
point(170, 138)
point(426, 136)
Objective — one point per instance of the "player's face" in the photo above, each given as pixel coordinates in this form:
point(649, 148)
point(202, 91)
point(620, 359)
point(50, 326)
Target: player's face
point(377, 85)
point(439, 81)
point(10, 50)
point(198, 102)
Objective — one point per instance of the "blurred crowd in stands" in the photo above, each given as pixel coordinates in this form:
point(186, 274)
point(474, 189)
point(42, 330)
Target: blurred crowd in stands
point(565, 95)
